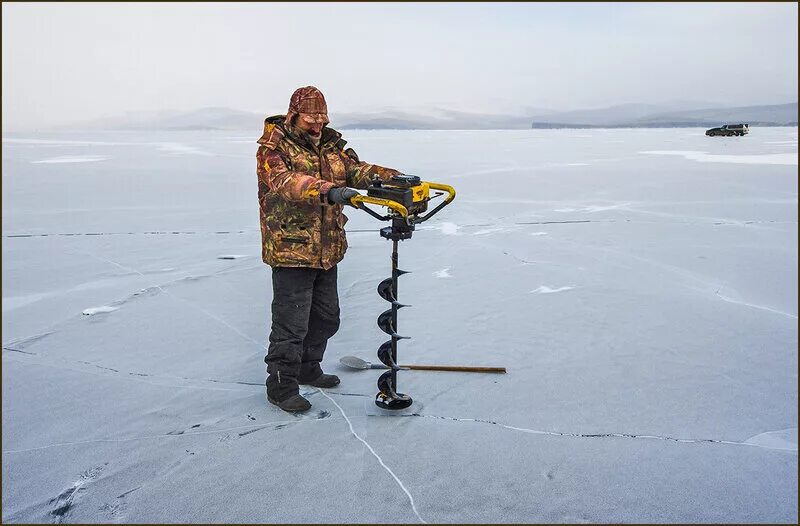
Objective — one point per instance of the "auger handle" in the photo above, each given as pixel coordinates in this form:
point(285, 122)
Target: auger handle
point(446, 188)
point(461, 368)
point(359, 200)
point(451, 194)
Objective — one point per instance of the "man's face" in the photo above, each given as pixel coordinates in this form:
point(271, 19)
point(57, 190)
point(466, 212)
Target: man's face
point(311, 123)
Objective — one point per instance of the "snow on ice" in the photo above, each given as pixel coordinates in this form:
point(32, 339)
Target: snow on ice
point(99, 310)
point(705, 157)
point(547, 290)
point(67, 159)
point(444, 273)
point(449, 229)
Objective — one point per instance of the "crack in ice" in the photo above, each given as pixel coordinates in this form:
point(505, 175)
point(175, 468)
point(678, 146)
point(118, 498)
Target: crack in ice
point(126, 375)
point(162, 435)
point(754, 306)
point(593, 435)
point(201, 309)
point(146, 233)
point(56, 326)
point(380, 460)
point(18, 350)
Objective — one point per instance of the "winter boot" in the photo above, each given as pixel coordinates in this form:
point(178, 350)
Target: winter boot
point(283, 392)
point(293, 404)
point(323, 380)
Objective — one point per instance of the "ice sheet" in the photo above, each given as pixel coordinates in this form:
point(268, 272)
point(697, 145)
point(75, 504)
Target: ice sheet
point(705, 157)
point(645, 307)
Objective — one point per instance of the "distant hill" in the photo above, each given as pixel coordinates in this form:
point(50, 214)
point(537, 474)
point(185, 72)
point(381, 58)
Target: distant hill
point(692, 114)
point(773, 115)
point(436, 119)
point(626, 115)
point(760, 115)
point(200, 119)
point(613, 115)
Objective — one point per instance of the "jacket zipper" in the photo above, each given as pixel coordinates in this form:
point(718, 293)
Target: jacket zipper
point(318, 153)
point(290, 239)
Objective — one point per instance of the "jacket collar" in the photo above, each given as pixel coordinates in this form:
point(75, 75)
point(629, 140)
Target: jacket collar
point(276, 124)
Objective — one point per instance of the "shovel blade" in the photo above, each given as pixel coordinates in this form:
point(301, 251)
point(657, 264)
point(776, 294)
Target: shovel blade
point(354, 362)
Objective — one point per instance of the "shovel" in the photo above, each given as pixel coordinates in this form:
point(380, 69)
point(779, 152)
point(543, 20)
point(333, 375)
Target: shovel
point(358, 363)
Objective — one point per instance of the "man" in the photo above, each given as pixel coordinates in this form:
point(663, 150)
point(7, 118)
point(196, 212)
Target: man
point(305, 176)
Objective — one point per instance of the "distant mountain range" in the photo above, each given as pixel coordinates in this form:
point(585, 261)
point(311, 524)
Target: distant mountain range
point(686, 114)
point(200, 119)
point(773, 115)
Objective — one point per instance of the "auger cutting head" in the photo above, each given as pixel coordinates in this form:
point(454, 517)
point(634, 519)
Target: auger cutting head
point(388, 397)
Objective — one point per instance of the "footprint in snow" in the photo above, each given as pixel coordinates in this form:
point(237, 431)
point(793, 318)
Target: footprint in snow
point(65, 501)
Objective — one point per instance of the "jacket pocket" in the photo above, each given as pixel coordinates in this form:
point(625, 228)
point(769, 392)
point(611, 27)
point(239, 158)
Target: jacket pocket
point(293, 247)
point(295, 239)
point(292, 239)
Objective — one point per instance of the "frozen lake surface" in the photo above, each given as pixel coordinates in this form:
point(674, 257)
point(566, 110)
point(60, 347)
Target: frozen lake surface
point(640, 286)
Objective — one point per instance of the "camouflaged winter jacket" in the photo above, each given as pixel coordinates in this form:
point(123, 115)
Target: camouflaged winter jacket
point(298, 226)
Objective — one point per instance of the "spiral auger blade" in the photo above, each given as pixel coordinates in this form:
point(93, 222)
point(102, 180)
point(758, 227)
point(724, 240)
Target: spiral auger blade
point(385, 355)
point(385, 290)
point(386, 324)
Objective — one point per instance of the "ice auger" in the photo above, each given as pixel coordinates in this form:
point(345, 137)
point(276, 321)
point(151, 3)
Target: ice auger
point(406, 197)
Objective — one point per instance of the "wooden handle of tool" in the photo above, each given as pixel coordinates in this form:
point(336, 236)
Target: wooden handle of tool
point(461, 368)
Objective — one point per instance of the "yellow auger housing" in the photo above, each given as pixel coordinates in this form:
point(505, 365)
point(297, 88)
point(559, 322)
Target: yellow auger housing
point(405, 196)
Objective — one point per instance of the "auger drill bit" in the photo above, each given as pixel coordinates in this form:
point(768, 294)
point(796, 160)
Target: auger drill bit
point(388, 397)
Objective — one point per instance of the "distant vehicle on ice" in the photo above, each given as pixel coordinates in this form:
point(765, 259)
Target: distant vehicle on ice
point(729, 130)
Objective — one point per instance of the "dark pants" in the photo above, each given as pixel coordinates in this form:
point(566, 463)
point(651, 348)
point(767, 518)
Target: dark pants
point(305, 313)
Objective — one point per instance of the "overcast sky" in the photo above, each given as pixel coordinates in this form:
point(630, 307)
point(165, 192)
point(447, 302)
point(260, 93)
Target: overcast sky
point(65, 63)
